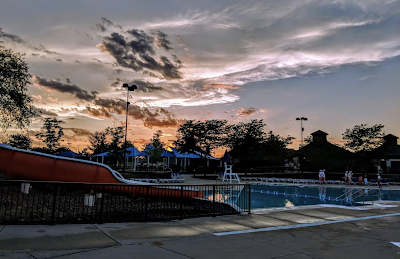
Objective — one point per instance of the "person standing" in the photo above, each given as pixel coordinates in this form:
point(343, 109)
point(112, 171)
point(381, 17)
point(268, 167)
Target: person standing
point(321, 176)
point(346, 177)
point(350, 176)
point(379, 179)
point(365, 179)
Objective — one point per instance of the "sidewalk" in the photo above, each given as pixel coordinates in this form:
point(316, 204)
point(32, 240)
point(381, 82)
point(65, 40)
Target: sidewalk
point(305, 232)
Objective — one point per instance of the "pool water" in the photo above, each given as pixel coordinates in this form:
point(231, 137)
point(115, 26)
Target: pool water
point(269, 196)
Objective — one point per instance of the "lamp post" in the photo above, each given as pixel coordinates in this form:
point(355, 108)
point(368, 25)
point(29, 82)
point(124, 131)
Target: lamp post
point(302, 155)
point(129, 88)
point(302, 129)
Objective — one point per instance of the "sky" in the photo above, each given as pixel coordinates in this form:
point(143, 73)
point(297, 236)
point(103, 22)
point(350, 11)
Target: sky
point(334, 62)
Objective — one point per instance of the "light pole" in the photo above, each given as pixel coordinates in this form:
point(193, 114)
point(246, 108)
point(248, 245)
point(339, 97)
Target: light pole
point(302, 129)
point(129, 88)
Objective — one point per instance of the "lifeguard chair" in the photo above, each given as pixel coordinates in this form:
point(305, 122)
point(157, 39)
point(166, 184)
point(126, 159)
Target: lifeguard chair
point(229, 175)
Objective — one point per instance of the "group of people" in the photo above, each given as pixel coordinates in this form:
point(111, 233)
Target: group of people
point(348, 177)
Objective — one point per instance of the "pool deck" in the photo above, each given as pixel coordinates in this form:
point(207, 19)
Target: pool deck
point(300, 232)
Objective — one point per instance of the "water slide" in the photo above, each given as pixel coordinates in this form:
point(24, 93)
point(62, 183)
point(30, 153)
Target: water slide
point(19, 164)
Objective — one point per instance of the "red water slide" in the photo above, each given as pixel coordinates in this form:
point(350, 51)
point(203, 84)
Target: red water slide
point(19, 164)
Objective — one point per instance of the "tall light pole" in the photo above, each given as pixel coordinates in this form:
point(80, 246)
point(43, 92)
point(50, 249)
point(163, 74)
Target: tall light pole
point(129, 88)
point(302, 129)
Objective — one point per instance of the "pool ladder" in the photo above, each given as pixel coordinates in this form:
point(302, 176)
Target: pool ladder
point(350, 197)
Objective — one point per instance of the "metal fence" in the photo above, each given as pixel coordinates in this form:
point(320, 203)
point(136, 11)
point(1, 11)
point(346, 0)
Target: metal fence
point(34, 202)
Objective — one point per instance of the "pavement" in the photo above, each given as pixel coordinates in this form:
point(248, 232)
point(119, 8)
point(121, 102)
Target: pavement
point(295, 232)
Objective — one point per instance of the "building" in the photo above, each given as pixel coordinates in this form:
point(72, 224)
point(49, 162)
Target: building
point(321, 154)
point(387, 155)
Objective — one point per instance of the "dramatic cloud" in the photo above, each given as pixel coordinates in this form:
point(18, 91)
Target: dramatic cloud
point(134, 49)
point(66, 88)
point(142, 86)
point(19, 40)
point(160, 117)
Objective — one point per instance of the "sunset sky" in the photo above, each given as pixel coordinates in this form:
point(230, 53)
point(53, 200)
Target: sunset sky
point(335, 62)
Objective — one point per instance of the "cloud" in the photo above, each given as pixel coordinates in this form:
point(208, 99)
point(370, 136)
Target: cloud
point(134, 49)
point(142, 85)
point(246, 111)
point(66, 88)
point(19, 40)
point(79, 132)
point(44, 112)
point(160, 117)
point(220, 86)
point(162, 41)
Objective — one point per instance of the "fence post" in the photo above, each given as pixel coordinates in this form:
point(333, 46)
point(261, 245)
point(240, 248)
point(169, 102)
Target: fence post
point(147, 202)
point(248, 186)
point(102, 205)
point(53, 212)
point(181, 204)
point(213, 194)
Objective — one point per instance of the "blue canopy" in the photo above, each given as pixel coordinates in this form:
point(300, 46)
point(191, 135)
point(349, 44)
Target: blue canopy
point(132, 152)
point(166, 153)
point(70, 154)
point(105, 154)
point(184, 155)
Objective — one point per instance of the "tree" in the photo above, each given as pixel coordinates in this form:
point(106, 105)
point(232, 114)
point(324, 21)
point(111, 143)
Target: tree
point(15, 103)
point(116, 146)
point(52, 134)
point(201, 136)
point(98, 142)
point(362, 138)
point(21, 141)
point(246, 140)
point(156, 152)
point(155, 148)
point(308, 139)
point(275, 147)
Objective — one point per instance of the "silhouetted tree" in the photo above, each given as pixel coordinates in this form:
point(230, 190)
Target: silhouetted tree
point(201, 136)
point(275, 147)
point(52, 134)
point(246, 140)
point(98, 142)
point(21, 141)
point(155, 148)
point(15, 103)
point(362, 138)
point(116, 146)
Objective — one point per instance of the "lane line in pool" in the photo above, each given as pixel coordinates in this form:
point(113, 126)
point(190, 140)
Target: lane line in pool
point(301, 225)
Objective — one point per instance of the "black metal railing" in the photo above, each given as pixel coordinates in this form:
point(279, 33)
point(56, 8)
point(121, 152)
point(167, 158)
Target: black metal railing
point(36, 202)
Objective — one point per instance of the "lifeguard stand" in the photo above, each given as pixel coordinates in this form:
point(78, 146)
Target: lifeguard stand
point(229, 175)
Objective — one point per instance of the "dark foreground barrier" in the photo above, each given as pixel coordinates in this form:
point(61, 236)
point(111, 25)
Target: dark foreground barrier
point(33, 202)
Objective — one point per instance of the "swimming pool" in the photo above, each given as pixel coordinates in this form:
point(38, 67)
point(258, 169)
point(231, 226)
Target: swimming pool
point(270, 196)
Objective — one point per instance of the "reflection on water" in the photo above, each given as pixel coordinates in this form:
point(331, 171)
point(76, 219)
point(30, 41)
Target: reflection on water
point(289, 204)
point(269, 196)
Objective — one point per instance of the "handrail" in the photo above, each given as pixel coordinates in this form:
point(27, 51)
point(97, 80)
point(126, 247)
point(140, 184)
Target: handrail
point(360, 194)
point(344, 194)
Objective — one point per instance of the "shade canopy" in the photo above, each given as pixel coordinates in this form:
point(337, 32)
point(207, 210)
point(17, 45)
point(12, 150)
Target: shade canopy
point(132, 152)
point(105, 154)
point(70, 154)
point(166, 153)
point(178, 154)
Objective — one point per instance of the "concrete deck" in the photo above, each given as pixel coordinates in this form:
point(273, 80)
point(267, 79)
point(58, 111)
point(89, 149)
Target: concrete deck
point(300, 232)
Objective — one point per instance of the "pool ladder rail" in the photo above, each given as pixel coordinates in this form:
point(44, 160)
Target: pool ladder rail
point(350, 196)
